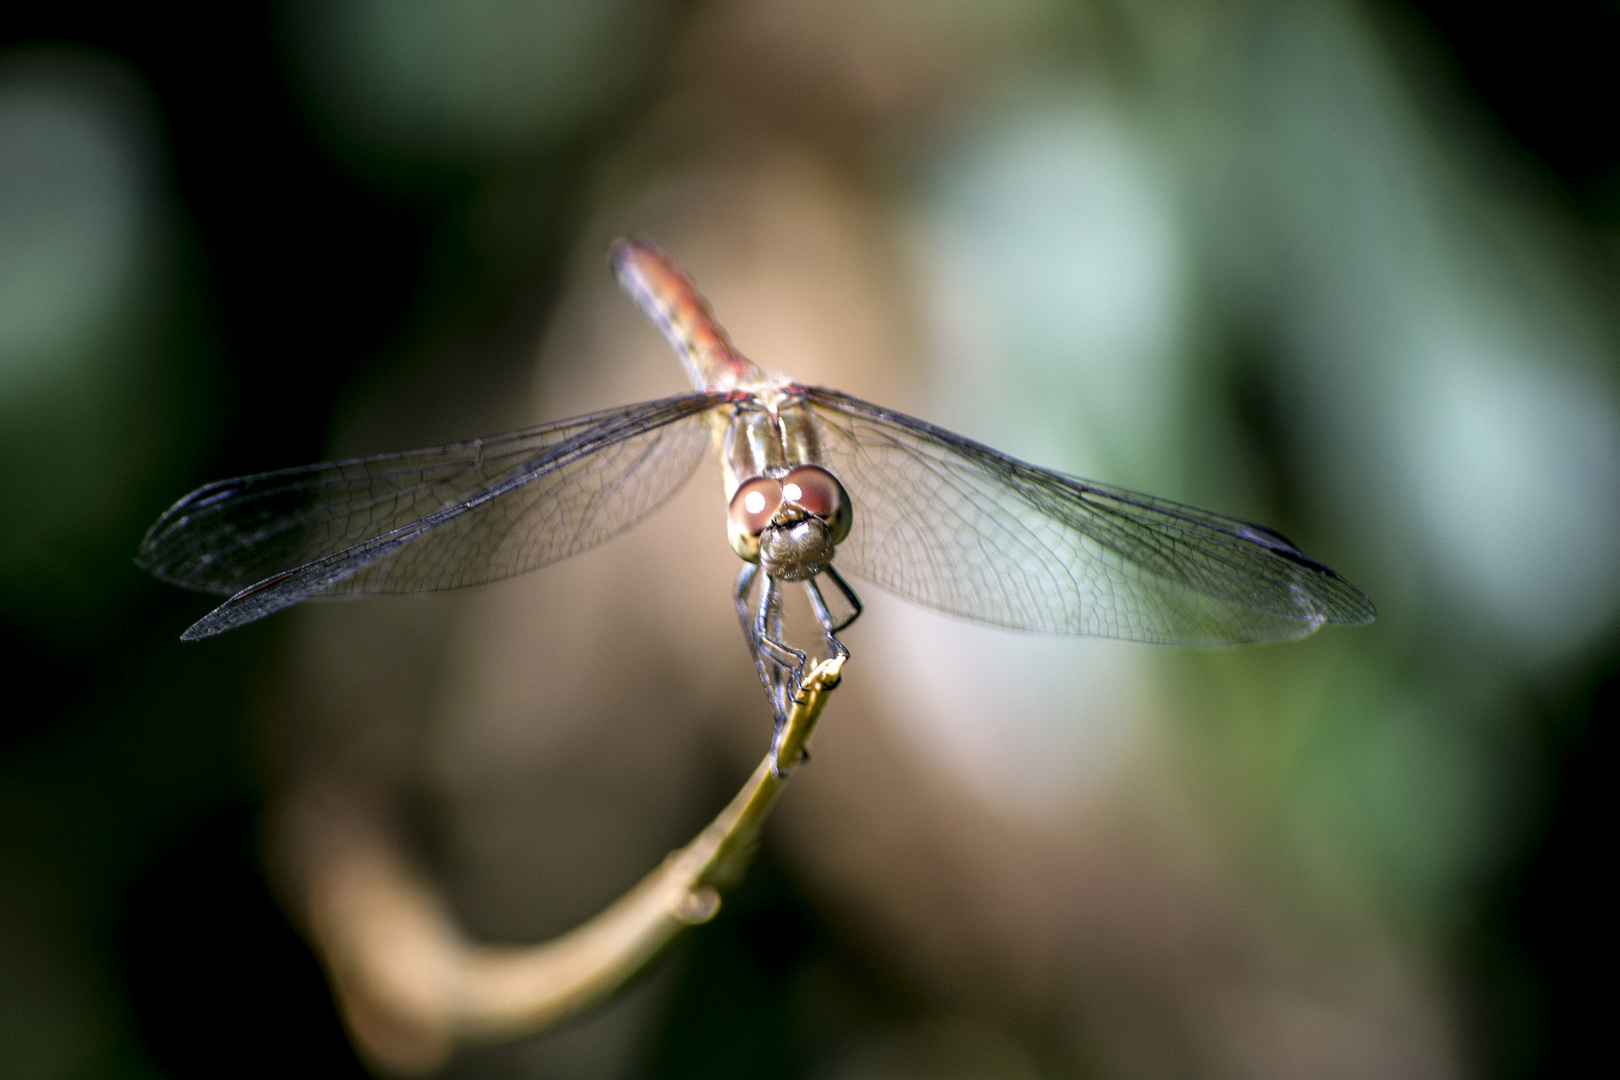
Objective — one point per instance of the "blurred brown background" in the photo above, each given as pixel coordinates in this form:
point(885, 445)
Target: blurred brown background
point(1344, 268)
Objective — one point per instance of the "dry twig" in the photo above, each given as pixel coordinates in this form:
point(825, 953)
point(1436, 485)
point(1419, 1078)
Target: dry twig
point(410, 985)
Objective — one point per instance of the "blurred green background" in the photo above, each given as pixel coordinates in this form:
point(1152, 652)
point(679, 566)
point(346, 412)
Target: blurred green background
point(1348, 269)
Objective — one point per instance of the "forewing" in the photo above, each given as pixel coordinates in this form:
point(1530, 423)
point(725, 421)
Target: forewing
point(960, 527)
point(429, 519)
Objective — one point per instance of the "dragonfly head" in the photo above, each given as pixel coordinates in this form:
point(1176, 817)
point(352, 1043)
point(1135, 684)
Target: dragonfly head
point(789, 524)
point(795, 549)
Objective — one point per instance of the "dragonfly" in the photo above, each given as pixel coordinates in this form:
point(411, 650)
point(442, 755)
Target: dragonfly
point(816, 483)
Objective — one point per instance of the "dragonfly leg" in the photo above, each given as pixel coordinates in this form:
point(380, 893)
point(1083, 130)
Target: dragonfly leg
point(781, 667)
point(745, 610)
point(824, 616)
point(770, 669)
point(767, 636)
point(856, 607)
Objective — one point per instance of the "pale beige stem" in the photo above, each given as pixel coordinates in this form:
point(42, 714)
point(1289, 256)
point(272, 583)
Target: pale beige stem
point(408, 982)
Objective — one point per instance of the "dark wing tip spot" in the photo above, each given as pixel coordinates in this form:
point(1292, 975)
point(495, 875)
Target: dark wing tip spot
point(209, 494)
point(1272, 540)
point(1348, 605)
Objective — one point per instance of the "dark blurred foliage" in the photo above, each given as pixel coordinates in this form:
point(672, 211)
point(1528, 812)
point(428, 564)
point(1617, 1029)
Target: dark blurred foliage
point(127, 787)
point(258, 196)
point(213, 971)
point(1551, 911)
point(1548, 79)
point(126, 764)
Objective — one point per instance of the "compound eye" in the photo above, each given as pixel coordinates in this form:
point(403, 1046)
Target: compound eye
point(815, 489)
point(755, 504)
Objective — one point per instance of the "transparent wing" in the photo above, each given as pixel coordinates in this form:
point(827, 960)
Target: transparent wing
point(429, 519)
point(960, 527)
